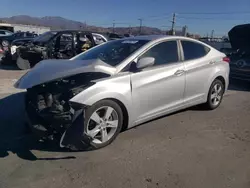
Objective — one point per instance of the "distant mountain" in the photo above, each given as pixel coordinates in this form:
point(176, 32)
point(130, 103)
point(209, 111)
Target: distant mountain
point(56, 22)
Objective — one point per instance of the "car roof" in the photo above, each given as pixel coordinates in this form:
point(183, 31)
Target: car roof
point(6, 30)
point(70, 30)
point(156, 37)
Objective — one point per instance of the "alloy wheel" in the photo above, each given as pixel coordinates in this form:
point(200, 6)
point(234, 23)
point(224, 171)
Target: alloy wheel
point(216, 94)
point(102, 124)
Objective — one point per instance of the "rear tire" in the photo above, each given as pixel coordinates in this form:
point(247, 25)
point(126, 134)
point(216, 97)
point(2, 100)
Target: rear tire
point(215, 95)
point(109, 125)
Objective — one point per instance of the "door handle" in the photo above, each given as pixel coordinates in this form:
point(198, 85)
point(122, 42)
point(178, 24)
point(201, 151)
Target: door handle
point(179, 72)
point(212, 62)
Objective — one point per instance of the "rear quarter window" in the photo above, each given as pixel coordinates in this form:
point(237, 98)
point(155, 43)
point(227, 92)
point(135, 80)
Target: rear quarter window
point(193, 50)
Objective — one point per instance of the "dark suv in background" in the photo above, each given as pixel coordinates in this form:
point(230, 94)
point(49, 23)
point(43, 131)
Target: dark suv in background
point(240, 57)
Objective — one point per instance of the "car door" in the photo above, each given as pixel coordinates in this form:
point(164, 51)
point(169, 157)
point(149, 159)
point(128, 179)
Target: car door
point(160, 88)
point(198, 67)
point(63, 45)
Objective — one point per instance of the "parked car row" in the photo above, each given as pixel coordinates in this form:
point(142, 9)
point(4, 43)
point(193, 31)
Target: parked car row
point(27, 49)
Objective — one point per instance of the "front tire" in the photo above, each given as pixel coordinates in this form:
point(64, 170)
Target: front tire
point(215, 95)
point(103, 122)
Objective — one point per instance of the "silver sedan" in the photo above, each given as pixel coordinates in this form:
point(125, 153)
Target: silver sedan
point(120, 84)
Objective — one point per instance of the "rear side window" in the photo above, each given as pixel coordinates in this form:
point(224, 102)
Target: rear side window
point(193, 50)
point(2, 32)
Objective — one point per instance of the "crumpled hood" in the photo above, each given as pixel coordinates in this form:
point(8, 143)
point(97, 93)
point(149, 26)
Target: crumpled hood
point(239, 37)
point(48, 70)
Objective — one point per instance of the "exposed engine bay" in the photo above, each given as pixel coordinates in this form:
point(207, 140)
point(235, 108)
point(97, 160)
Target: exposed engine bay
point(48, 108)
point(33, 53)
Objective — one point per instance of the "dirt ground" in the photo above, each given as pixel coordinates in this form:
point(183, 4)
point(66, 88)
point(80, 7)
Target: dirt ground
point(188, 149)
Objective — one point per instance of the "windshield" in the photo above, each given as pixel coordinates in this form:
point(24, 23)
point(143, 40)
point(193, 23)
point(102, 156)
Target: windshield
point(112, 52)
point(45, 36)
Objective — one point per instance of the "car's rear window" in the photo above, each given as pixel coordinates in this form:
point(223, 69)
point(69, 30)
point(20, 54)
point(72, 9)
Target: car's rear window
point(193, 50)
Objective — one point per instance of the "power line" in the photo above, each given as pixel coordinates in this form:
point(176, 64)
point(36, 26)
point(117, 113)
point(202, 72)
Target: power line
point(169, 26)
point(235, 12)
point(195, 18)
point(208, 18)
point(163, 15)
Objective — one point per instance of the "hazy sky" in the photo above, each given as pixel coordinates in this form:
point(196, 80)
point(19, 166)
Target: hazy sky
point(200, 16)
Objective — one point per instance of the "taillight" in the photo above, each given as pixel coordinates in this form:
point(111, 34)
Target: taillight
point(226, 59)
point(1, 50)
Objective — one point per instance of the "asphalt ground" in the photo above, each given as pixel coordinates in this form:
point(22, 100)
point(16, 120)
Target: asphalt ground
point(191, 148)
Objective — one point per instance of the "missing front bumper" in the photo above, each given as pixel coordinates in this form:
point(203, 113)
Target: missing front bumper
point(73, 137)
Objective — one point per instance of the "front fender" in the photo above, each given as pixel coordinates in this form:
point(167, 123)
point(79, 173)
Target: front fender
point(114, 88)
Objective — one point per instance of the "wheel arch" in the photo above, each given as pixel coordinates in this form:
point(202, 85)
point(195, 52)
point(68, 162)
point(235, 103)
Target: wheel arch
point(222, 76)
point(124, 112)
point(116, 97)
point(222, 79)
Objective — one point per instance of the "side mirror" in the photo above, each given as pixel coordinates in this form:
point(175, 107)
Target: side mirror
point(145, 62)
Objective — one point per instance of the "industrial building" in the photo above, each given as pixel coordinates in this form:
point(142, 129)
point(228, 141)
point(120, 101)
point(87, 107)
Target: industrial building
point(20, 27)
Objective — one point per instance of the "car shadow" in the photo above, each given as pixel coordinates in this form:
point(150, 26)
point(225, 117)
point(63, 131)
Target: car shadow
point(16, 138)
point(8, 66)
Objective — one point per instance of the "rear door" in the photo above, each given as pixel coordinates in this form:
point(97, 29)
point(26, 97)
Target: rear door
point(198, 67)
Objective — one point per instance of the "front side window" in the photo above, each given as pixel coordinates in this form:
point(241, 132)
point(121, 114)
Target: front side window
point(193, 50)
point(113, 52)
point(164, 53)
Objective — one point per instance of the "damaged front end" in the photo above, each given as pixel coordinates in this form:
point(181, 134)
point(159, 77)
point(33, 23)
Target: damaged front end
point(50, 114)
point(29, 55)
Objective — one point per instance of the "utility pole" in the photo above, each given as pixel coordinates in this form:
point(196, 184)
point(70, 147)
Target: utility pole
point(140, 25)
point(212, 34)
point(113, 26)
point(85, 25)
point(173, 24)
point(129, 30)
